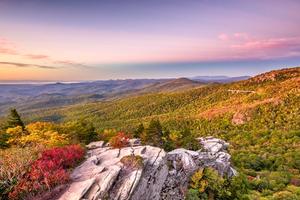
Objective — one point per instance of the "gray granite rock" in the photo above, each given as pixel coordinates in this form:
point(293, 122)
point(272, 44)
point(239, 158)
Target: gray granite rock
point(162, 176)
point(95, 145)
point(77, 189)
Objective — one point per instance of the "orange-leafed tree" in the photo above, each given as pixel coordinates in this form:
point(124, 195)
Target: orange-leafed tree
point(120, 140)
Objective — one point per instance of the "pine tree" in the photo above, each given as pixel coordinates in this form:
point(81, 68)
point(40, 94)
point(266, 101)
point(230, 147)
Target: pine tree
point(14, 119)
point(140, 129)
point(3, 139)
point(153, 134)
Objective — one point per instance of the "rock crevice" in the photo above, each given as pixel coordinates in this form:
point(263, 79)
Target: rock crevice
point(163, 175)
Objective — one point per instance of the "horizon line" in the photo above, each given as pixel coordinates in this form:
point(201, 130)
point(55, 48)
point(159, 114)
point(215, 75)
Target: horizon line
point(115, 79)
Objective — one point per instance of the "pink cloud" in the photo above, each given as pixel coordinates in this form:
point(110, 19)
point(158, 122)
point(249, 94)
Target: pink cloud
point(243, 36)
point(271, 43)
point(70, 63)
point(244, 46)
point(233, 37)
point(7, 51)
point(223, 37)
point(7, 47)
point(4, 41)
point(244, 41)
point(27, 65)
point(36, 56)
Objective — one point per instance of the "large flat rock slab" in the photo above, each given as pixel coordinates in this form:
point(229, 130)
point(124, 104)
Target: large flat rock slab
point(77, 190)
point(162, 175)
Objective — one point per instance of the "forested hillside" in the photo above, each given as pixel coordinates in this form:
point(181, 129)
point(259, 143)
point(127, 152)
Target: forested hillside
point(37, 96)
point(31, 97)
point(40, 95)
point(259, 117)
point(265, 102)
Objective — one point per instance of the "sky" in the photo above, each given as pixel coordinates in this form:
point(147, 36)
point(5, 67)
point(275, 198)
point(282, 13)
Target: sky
point(117, 39)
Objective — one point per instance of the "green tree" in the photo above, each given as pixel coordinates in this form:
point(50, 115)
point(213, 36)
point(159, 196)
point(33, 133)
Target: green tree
point(189, 141)
point(14, 119)
point(140, 129)
point(80, 131)
point(153, 134)
point(192, 194)
point(238, 187)
point(210, 185)
point(3, 139)
point(3, 136)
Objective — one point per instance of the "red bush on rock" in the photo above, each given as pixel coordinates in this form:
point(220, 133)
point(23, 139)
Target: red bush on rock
point(120, 140)
point(48, 171)
point(295, 181)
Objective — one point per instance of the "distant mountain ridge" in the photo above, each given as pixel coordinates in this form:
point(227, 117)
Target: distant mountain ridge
point(219, 79)
point(171, 85)
point(206, 102)
point(34, 95)
point(29, 96)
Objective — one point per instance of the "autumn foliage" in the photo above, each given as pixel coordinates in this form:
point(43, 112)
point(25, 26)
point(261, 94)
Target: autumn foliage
point(132, 161)
point(50, 170)
point(14, 163)
point(120, 140)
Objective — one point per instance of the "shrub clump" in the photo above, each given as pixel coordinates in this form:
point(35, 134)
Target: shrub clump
point(50, 170)
point(120, 140)
point(207, 184)
point(132, 162)
point(14, 163)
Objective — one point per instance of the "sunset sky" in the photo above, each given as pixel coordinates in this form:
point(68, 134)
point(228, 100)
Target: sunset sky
point(109, 39)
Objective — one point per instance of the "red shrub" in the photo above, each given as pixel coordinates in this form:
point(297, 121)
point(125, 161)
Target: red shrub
point(48, 171)
point(295, 182)
point(120, 140)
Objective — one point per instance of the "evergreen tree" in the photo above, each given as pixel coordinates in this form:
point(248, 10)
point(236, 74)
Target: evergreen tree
point(14, 119)
point(140, 129)
point(153, 134)
point(188, 140)
point(3, 140)
point(80, 131)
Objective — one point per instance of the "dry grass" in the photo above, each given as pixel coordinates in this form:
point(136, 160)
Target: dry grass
point(132, 162)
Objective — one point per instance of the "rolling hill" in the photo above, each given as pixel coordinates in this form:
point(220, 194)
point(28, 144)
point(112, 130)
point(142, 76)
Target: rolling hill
point(172, 85)
point(39, 95)
point(245, 103)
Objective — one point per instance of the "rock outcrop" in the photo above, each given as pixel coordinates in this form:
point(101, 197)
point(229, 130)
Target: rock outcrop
point(162, 175)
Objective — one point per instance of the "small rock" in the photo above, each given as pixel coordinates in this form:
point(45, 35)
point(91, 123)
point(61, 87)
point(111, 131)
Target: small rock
point(135, 142)
point(95, 145)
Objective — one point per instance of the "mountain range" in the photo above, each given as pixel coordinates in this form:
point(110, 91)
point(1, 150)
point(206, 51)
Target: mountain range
point(35, 95)
point(126, 103)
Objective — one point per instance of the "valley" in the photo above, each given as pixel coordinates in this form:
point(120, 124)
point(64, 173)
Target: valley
point(26, 96)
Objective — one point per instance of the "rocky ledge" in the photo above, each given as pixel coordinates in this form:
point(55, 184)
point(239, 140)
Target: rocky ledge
point(162, 175)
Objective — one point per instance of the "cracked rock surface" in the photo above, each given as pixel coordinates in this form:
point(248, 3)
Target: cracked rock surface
point(163, 175)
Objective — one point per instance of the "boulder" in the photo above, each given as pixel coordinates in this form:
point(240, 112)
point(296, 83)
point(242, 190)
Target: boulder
point(162, 175)
point(135, 142)
point(213, 145)
point(95, 145)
